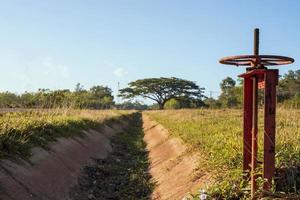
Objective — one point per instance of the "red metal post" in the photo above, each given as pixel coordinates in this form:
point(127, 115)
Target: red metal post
point(258, 77)
point(271, 80)
point(248, 104)
point(254, 137)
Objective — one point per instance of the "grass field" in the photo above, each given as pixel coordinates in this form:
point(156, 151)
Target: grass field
point(217, 135)
point(214, 134)
point(20, 131)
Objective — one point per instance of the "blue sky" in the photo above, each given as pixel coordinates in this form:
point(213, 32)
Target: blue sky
point(57, 43)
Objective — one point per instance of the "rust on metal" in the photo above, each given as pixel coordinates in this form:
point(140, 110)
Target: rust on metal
point(256, 60)
point(261, 84)
point(258, 76)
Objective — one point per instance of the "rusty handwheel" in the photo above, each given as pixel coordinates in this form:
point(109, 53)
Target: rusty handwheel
point(256, 61)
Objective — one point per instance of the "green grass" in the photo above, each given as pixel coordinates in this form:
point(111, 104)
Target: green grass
point(217, 135)
point(20, 131)
point(124, 174)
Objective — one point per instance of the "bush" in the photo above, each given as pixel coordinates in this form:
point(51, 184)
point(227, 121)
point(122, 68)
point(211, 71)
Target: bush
point(293, 103)
point(172, 104)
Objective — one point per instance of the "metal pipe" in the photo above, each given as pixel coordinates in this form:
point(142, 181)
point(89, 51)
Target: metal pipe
point(254, 137)
point(256, 42)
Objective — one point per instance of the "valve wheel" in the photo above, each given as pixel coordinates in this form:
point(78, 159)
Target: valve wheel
point(256, 60)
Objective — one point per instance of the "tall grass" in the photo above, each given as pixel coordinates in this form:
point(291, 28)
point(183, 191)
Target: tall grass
point(217, 135)
point(20, 131)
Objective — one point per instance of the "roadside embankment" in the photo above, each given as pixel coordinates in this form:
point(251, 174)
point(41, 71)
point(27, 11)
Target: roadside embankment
point(173, 167)
point(50, 171)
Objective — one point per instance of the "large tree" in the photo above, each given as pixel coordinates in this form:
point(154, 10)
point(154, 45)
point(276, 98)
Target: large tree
point(227, 84)
point(161, 90)
point(231, 94)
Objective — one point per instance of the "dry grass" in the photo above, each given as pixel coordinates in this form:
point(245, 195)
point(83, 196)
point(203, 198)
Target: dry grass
point(20, 131)
point(217, 134)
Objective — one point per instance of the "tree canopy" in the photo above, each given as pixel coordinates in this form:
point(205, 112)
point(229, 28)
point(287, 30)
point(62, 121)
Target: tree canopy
point(162, 89)
point(231, 95)
point(289, 85)
point(97, 97)
point(288, 92)
point(227, 84)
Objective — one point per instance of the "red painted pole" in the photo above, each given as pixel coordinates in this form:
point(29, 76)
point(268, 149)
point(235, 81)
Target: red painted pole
point(271, 80)
point(248, 104)
point(254, 138)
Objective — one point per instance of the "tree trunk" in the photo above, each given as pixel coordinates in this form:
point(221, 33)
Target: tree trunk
point(161, 106)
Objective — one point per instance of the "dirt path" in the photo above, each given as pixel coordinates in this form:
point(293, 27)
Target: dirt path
point(50, 174)
point(172, 167)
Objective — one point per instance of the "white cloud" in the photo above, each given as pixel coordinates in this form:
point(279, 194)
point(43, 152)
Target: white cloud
point(43, 73)
point(120, 72)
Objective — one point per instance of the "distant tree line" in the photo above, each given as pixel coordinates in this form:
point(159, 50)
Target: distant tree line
point(132, 105)
point(288, 92)
point(167, 93)
point(97, 97)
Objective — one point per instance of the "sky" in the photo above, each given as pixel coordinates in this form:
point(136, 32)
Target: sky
point(58, 43)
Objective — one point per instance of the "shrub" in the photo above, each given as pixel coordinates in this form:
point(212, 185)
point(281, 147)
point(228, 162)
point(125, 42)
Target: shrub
point(172, 104)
